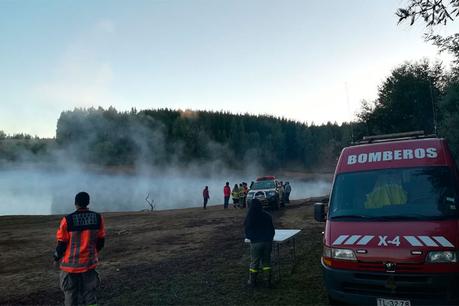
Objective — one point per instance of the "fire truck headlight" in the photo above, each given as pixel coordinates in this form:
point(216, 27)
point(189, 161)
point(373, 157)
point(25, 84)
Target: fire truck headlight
point(327, 252)
point(343, 254)
point(441, 257)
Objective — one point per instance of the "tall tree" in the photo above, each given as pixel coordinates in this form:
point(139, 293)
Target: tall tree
point(449, 107)
point(433, 13)
point(407, 100)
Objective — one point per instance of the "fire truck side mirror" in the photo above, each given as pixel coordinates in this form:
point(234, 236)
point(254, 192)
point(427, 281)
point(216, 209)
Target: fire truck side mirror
point(319, 212)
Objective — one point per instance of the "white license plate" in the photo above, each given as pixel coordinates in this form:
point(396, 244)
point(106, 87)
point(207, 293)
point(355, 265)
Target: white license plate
point(389, 302)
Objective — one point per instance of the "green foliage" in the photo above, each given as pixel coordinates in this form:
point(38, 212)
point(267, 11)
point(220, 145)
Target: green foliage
point(432, 12)
point(14, 149)
point(449, 107)
point(448, 44)
point(407, 100)
point(159, 137)
point(413, 97)
point(445, 94)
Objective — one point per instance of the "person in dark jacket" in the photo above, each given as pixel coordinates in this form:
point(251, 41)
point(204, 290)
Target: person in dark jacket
point(259, 229)
point(287, 190)
point(206, 196)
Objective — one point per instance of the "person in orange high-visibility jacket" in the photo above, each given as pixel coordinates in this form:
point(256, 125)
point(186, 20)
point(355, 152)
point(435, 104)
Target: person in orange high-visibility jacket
point(80, 237)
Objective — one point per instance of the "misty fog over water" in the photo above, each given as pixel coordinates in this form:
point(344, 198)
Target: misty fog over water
point(42, 192)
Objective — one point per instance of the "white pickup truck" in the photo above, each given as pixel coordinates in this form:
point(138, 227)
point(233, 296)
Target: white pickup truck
point(266, 190)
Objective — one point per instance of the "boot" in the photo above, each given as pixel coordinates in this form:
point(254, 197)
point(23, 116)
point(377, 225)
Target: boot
point(252, 282)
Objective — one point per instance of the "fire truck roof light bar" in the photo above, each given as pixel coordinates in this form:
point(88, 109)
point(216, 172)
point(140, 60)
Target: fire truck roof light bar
point(394, 136)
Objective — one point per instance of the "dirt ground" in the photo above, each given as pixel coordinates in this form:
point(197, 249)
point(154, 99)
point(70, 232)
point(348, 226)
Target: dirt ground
point(176, 257)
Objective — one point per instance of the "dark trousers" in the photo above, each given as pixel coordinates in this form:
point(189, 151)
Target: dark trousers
point(205, 202)
point(79, 285)
point(287, 197)
point(226, 202)
point(260, 256)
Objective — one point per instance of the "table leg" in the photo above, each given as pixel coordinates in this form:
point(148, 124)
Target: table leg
point(278, 262)
point(294, 253)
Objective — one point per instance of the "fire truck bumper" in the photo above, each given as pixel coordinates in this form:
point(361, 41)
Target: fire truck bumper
point(365, 287)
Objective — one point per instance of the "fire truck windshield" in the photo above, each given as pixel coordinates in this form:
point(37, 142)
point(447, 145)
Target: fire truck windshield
point(390, 194)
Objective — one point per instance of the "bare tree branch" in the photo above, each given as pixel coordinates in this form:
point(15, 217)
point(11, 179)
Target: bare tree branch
point(433, 12)
point(150, 202)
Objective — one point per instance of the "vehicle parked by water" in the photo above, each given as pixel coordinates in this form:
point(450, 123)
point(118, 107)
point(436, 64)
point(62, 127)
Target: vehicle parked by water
point(266, 189)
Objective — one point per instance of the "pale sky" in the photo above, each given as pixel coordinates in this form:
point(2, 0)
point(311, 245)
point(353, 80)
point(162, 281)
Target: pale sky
point(290, 58)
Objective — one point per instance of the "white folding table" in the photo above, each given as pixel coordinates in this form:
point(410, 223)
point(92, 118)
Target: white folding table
point(282, 236)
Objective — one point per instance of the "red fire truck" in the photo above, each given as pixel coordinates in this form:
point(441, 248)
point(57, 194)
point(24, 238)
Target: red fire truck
point(392, 226)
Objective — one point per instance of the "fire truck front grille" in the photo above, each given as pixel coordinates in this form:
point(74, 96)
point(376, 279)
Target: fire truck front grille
point(401, 286)
point(380, 267)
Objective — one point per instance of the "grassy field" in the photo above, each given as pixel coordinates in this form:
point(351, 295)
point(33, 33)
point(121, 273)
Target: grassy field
point(180, 257)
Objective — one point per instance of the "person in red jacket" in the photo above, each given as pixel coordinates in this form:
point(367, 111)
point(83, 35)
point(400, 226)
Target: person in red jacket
point(226, 194)
point(206, 196)
point(80, 237)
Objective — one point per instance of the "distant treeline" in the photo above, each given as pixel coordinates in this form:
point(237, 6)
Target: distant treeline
point(164, 136)
point(23, 147)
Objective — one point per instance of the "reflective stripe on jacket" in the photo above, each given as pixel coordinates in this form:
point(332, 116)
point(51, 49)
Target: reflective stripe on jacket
point(389, 194)
point(80, 231)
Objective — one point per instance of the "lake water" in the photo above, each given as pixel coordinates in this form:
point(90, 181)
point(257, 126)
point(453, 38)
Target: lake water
point(44, 192)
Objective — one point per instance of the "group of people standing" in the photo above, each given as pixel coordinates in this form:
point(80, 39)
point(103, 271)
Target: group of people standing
point(240, 191)
point(284, 192)
point(239, 195)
